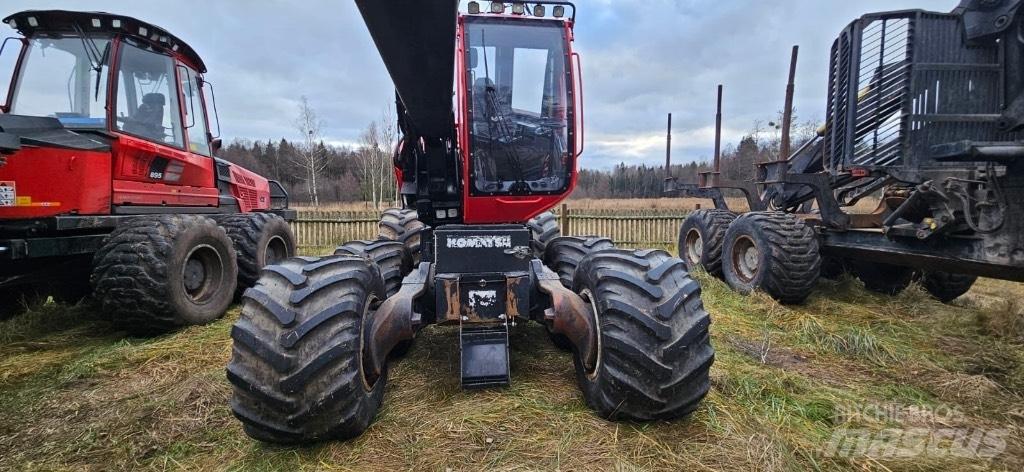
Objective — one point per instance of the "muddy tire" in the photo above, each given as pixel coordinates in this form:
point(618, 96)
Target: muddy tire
point(946, 287)
point(564, 253)
point(390, 257)
point(260, 239)
point(701, 238)
point(405, 227)
point(654, 347)
point(156, 274)
point(296, 359)
point(878, 277)
point(773, 252)
point(543, 229)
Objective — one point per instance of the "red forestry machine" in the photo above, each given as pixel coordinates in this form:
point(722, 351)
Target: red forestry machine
point(312, 345)
point(110, 175)
point(925, 112)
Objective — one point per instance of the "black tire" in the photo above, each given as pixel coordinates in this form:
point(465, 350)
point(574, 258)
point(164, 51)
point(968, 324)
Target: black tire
point(543, 229)
point(701, 238)
point(654, 351)
point(405, 227)
point(946, 287)
point(296, 360)
point(774, 252)
point(16, 299)
point(156, 274)
point(390, 257)
point(564, 253)
point(260, 239)
point(878, 277)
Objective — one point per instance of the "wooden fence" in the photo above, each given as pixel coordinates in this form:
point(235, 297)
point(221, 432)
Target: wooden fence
point(323, 230)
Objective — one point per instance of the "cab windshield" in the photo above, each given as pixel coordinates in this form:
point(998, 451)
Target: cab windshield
point(519, 111)
point(64, 78)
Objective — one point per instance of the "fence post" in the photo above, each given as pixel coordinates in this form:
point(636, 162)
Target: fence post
point(696, 207)
point(565, 219)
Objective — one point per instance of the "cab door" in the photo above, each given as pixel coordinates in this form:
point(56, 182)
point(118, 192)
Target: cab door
point(153, 159)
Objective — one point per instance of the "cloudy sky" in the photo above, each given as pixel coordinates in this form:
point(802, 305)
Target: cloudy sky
point(641, 60)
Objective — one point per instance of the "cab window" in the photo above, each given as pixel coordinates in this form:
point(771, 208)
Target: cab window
point(195, 114)
point(147, 101)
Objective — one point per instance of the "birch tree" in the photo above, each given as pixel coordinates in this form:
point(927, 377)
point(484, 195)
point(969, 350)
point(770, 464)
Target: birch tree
point(376, 145)
point(309, 156)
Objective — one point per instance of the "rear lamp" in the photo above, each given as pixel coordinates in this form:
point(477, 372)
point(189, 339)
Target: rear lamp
point(474, 8)
point(558, 11)
point(538, 11)
point(497, 7)
point(518, 9)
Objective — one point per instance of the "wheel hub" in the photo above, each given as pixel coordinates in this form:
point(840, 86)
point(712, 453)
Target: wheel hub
point(746, 258)
point(202, 274)
point(694, 247)
point(276, 251)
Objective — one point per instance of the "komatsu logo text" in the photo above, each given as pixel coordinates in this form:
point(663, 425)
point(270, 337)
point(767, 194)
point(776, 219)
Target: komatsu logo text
point(479, 242)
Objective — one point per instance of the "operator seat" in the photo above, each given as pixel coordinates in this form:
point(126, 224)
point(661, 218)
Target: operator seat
point(147, 121)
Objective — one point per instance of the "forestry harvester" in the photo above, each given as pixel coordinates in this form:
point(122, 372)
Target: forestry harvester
point(109, 174)
point(925, 112)
point(473, 248)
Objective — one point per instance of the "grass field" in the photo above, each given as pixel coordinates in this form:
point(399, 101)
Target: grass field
point(78, 395)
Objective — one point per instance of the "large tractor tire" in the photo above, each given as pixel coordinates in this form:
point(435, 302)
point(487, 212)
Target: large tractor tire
point(701, 238)
point(654, 350)
point(946, 287)
point(543, 229)
point(296, 361)
point(390, 257)
point(774, 252)
point(564, 253)
point(260, 239)
point(156, 274)
point(405, 227)
point(882, 278)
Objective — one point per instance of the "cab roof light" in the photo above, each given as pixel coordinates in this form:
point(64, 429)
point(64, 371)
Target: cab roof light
point(474, 8)
point(14, 24)
point(538, 11)
point(33, 22)
point(115, 23)
point(518, 9)
point(143, 31)
point(497, 7)
point(96, 23)
point(558, 11)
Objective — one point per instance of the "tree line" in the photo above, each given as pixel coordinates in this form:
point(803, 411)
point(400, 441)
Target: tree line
point(315, 173)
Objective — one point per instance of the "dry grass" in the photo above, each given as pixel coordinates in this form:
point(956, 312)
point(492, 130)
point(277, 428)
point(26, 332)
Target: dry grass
point(76, 394)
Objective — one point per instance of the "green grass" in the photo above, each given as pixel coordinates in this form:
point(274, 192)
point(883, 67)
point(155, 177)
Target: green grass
point(78, 394)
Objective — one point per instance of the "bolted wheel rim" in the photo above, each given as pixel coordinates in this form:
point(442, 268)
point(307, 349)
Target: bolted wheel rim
point(369, 380)
point(588, 297)
point(202, 275)
point(745, 258)
point(694, 247)
point(276, 251)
